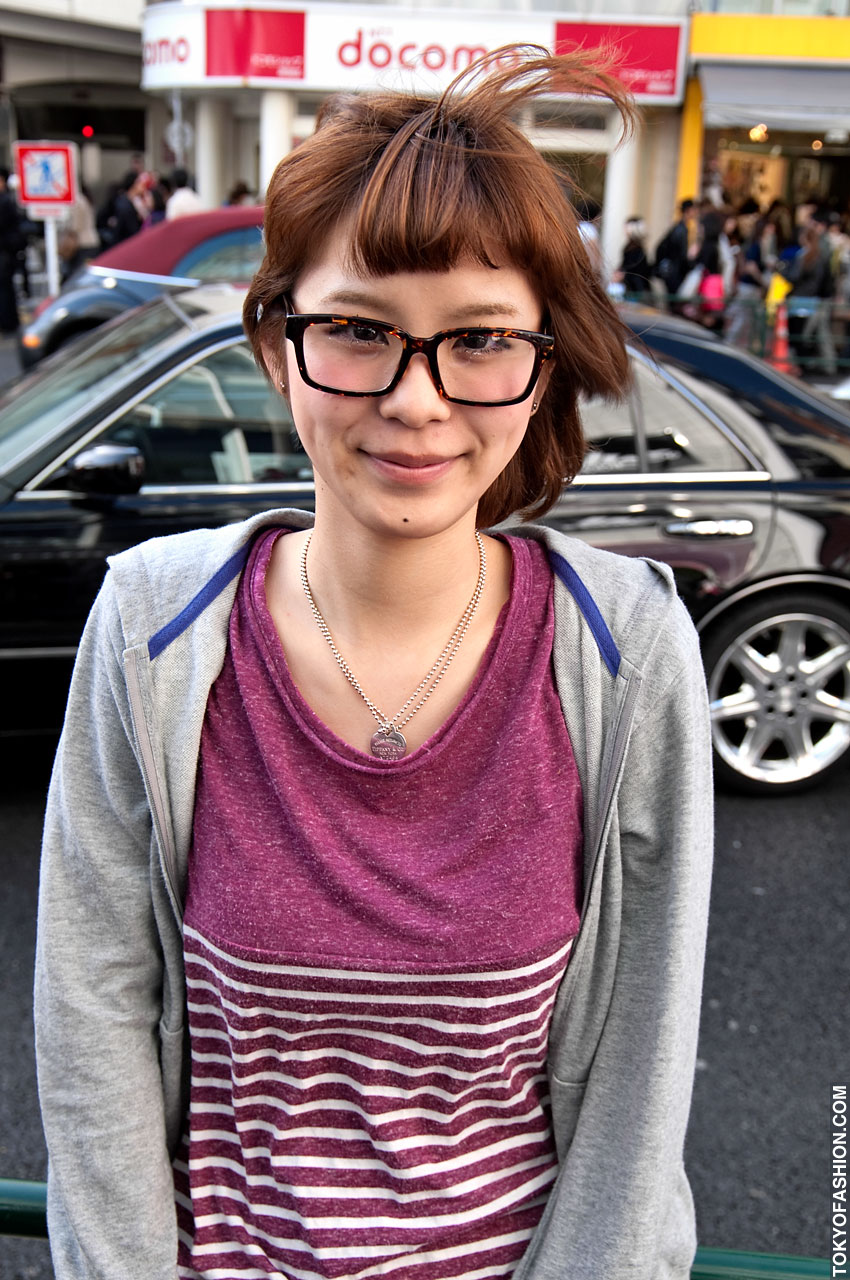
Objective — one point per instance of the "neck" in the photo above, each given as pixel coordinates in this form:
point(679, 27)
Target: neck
point(371, 583)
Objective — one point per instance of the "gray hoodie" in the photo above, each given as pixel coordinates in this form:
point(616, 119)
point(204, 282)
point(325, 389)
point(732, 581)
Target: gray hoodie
point(110, 991)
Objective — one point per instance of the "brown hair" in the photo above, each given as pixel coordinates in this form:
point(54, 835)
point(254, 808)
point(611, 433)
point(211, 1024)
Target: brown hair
point(427, 184)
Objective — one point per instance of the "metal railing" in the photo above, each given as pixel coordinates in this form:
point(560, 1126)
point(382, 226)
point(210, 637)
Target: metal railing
point(23, 1212)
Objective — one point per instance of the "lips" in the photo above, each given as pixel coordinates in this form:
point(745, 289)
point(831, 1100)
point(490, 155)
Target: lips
point(407, 468)
point(411, 462)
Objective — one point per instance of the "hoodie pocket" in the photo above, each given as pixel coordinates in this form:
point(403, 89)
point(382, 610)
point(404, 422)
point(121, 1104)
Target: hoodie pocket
point(566, 1105)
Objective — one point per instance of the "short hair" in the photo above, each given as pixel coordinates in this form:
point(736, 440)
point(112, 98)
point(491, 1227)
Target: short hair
point(685, 205)
point(4, 173)
point(180, 177)
point(427, 184)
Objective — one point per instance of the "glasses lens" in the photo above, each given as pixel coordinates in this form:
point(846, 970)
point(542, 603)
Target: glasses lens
point(485, 367)
point(344, 355)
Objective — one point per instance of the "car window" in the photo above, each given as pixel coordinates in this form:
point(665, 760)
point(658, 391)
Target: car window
point(216, 422)
point(610, 432)
point(233, 255)
point(677, 434)
point(45, 399)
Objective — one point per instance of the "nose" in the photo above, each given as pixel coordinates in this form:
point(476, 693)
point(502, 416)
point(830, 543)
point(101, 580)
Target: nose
point(416, 400)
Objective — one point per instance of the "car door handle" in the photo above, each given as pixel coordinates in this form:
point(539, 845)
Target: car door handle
point(710, 528)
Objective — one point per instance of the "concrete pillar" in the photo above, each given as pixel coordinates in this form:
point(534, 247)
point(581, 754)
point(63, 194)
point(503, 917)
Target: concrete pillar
point(156, 119)
point(212, 127)
point(91, 165)
point(277, 121)
point(621, 171)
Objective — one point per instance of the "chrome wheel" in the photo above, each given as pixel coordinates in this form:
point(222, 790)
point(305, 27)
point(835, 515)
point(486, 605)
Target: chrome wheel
point(779, 689)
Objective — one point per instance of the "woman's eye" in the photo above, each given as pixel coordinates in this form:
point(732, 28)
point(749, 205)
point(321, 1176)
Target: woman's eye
point(359, 333)
point(486, 343)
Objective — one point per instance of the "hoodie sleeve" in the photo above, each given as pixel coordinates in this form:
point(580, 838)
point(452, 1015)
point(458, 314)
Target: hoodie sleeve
point(98, 988)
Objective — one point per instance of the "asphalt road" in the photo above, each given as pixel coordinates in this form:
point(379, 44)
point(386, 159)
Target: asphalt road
point(774, 1034)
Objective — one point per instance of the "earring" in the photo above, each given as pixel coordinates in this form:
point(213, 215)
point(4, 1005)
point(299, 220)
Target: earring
point(283, 387)
point(534, 406)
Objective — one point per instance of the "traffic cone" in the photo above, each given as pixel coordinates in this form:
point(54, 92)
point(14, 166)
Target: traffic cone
point(780, 356)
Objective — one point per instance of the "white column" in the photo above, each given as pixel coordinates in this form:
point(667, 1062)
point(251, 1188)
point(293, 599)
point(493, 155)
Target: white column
point(212, 122)
point(277, 120)
point(156, 119)
point(621, 171)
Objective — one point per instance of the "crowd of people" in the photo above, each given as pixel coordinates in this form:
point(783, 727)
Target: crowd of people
point(728, 268)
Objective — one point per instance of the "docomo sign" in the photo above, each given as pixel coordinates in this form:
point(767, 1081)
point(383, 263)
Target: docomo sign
point(411, 56)
point(165, 52)
point(173, 46)
point(325, 46)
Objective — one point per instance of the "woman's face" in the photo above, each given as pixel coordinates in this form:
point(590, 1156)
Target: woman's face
point(408, 463)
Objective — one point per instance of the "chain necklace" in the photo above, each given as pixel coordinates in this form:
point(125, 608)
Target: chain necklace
point(389, 742)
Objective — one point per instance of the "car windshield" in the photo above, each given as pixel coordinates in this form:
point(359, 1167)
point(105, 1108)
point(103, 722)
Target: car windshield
point(40, 402)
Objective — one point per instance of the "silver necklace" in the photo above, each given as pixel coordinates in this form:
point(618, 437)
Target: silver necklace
point(389, 742)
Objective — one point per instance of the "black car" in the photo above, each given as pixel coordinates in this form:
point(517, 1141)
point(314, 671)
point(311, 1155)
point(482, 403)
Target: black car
point(164, 423)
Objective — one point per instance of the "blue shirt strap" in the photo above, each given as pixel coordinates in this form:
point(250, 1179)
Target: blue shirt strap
point(587, 606)
point(217, 583)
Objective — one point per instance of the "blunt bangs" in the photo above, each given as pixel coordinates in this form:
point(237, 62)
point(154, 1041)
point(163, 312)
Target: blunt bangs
point(425, 185)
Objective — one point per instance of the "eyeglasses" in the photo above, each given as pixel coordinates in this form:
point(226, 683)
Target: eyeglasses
point(353, 356)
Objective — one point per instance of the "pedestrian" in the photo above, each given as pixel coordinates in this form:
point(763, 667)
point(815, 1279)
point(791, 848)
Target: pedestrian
point(634, 270)
point(184, 199)
point(809, 301)
point(325, 988)
point(12, 240)
point(239, 193)
point(118, 217)
point(672, 255)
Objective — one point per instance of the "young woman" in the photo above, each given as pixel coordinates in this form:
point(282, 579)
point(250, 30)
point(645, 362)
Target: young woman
point(377, 851)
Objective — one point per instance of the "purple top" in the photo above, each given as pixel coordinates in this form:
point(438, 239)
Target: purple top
point(373, 949)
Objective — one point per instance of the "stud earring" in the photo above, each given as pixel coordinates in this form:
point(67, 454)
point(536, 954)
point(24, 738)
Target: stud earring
point(534, 406)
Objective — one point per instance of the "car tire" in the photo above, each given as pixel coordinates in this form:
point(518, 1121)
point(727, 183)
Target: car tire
point(778, 673)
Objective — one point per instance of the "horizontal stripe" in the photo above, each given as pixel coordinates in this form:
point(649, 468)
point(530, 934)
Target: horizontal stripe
point(373, 975)
point(416, 1046)
point(304, 1083)
point(384, 1222)
point(313, 1191)
point(433, 1024)
point(375, 1066)
point(245, 1126)
point(510, 995)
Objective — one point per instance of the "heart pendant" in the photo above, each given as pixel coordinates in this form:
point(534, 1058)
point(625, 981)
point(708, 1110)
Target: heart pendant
point(388, 744)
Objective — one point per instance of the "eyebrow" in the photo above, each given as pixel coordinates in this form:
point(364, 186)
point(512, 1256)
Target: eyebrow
point(461, 315)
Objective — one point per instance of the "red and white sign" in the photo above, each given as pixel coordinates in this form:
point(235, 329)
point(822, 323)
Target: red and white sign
point(47, 176)
point(648, 56)
point(326, 46)
point(255, 44)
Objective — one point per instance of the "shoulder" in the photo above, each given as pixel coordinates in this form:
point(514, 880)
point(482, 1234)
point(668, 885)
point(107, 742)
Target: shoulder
point(155, 581)
point(636, 598)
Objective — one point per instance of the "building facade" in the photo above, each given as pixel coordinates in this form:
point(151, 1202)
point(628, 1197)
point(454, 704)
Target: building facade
point(748, 103)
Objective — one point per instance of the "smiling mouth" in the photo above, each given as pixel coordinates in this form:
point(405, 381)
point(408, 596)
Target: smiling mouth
point(409, 462)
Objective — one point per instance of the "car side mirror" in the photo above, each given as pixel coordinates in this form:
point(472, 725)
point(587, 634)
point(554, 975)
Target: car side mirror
point(105, 469)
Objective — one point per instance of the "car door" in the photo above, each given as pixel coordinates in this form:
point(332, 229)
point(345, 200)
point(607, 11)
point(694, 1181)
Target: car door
point(218, 444)
point(665, 477)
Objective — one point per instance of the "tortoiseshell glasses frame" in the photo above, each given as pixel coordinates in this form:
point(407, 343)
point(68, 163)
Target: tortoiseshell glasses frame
point(295, 327)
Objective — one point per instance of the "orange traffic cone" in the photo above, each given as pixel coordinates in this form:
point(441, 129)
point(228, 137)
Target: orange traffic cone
point(780, 356)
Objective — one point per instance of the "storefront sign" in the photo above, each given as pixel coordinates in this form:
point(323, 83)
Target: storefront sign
point(324, 46)
point(648, 57)
point(255, 44)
